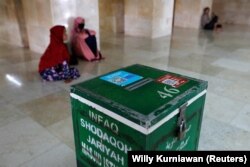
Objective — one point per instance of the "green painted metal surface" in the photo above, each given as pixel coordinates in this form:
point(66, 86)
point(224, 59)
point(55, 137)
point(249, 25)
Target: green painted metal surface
point(135, 108)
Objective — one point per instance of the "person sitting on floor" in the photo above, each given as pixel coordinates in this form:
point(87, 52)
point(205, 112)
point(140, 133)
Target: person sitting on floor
point(83, 41)
point(208, 23)
point(53, 64)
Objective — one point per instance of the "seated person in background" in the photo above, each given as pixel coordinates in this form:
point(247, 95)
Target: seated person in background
point(208, 23)
point(53, 64)
point(83, 41)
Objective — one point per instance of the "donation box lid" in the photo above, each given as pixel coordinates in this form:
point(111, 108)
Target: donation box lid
point(139, 96)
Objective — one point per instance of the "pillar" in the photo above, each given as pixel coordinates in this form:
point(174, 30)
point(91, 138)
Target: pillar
point(162, 18)
point(38, 17)
point(111, 14)
point(9, 29)
point(148, 18)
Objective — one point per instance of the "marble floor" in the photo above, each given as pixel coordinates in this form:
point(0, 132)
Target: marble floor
point(35, 116)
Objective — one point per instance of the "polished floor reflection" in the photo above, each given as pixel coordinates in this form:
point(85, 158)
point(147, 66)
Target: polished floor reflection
point(35, 116)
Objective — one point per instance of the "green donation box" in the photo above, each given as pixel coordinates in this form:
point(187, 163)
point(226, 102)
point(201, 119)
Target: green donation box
point(135, 108)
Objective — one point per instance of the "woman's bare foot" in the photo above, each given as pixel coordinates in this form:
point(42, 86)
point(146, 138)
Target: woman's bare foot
point(101, 58)
point(68, 80)
point(95, 59)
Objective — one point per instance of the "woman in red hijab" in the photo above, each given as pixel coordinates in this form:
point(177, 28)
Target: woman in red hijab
point(53, 64)
point(83, 41)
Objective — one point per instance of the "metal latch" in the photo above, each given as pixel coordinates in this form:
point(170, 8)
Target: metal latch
point(182, 122)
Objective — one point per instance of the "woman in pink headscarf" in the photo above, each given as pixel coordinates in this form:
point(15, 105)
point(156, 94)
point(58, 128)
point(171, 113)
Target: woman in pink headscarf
point(83, 41)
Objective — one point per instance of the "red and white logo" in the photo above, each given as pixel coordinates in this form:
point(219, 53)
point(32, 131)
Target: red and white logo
point(172, 80)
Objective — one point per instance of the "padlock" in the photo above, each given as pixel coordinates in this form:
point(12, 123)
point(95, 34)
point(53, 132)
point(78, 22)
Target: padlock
point(182, 130)
point(182, 122)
